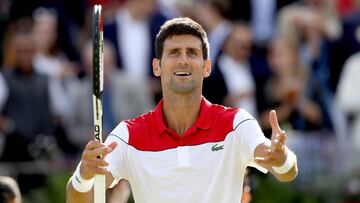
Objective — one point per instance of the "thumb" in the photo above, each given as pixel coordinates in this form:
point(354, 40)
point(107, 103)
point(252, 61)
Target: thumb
point(274, 122)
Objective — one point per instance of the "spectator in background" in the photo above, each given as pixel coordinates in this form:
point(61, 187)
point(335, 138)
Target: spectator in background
point(29, 127)
point(293, 101)
point(314, 25)
point(133, 34)
point(316, 18)
point(51, 61)
point(261, 16)
point(348, 97)
point(233, 72)
point(311, 24)
point(9, 190)
point(347, 45)
point(211, 14)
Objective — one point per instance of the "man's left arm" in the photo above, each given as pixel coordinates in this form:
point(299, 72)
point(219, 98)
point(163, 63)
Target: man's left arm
point(275, 156)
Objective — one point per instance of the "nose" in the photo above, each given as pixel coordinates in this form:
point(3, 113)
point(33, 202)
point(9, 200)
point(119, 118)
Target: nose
point(183, 60)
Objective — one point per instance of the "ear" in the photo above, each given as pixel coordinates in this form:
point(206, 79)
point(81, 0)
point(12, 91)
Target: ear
point(156, 67)
point(207, 68)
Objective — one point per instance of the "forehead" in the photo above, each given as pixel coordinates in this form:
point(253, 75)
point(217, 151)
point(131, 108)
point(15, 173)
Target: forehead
point(182, 41)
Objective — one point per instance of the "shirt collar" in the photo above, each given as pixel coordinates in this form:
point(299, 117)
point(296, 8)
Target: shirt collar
point(203, 121)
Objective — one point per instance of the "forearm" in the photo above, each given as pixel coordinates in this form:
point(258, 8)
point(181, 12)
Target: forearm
point(73, 196)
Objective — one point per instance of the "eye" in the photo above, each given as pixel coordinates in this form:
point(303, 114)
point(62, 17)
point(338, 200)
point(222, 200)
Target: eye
point(192, 52)
point(173, 52)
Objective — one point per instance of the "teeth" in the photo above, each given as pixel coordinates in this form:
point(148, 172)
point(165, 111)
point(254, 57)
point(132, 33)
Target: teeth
point(182, 73)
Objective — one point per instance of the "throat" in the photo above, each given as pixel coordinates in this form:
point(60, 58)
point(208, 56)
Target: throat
point(180, 117)
point(180, 120)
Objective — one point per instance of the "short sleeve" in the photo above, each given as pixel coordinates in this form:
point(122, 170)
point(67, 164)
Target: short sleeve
point(249, 136)
point(117, 159)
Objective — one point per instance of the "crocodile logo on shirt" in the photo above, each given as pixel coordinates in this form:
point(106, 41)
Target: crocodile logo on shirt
point(215, 147)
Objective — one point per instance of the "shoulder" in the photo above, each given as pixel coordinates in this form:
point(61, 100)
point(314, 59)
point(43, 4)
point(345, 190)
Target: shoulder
point(230, 117)
point(130, 130)
point(242, 116)
point(226, 119)
point(224, 114)
point(222, 119)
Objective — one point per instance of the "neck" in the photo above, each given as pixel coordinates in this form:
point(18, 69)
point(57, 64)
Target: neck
point(181, 111)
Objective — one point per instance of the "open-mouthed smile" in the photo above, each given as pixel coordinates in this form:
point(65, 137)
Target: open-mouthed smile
point(182, 73)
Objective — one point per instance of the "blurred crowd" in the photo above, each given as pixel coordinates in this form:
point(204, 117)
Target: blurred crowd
point(299, 57)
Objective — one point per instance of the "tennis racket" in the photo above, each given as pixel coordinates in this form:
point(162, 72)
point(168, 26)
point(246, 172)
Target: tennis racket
point(98, 80)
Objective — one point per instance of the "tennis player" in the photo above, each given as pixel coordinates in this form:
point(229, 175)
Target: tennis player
point(186, 149)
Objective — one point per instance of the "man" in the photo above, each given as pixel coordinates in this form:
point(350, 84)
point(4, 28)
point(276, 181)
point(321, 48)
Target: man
point(187, 149)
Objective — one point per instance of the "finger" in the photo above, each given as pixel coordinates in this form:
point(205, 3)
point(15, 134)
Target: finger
point(111, 148)
point(281, 137)
point(96, 152)
point(274, 122)
point(100, 171)
point(278, 138)
point(112, 145)
point(277, 145)
point(89, 168)
point(94, 162)
point(92, 144)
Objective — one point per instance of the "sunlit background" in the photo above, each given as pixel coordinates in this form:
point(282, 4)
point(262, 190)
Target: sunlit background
point(301, 58)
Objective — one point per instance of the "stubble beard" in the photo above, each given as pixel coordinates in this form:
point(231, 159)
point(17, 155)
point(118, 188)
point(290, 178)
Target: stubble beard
point(184, 88)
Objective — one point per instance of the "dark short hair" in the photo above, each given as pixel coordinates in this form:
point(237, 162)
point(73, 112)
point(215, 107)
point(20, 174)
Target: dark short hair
point(181, 26)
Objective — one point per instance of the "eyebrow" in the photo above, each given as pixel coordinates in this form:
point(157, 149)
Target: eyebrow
point(187, 49)
point(172, 50)
point(194, 49)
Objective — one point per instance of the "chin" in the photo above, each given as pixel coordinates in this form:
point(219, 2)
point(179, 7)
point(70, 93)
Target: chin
point(182, 88)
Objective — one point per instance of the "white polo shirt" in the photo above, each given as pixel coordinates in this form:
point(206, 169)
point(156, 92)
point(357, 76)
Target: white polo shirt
point(206, 164)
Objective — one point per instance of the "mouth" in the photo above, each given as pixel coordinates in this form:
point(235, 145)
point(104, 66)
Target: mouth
point(182, 73)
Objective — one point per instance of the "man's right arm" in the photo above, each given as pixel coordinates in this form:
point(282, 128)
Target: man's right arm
point(89, 166)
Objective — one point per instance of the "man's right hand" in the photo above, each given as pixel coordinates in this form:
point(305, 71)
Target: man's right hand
point(90, 164)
